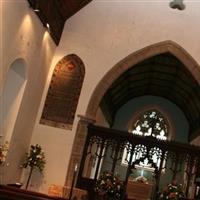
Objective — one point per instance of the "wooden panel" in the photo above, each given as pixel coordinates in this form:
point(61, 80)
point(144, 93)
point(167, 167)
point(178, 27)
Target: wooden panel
point(11, 193)
point(139, 191)
point(63, 94)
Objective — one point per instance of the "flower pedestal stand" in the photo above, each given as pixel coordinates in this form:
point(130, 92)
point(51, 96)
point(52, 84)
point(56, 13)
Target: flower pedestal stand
point(29, 177)
point(1, 175)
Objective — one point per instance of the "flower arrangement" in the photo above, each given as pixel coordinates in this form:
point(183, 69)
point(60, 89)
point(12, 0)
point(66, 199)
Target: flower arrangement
point(3, 152)
point(173, 191)
point(109, 186)
point(35, 159)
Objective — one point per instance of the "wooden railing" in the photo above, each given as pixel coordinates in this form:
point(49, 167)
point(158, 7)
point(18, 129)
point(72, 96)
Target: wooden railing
point(182, 158)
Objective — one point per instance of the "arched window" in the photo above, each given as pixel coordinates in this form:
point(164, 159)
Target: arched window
point(150, 123)
point(63, 94)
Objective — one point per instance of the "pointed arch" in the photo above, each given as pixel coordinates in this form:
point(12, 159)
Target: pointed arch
point(63, 94)
point(135, 58)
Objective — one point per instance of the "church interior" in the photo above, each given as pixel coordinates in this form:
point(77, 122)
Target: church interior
point(99, 99)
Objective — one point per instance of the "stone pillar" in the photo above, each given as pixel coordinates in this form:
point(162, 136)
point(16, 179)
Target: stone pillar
point(78, 146)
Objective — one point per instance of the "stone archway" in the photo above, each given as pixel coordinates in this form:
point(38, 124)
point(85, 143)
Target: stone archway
point(135, 58)
point(128, 62)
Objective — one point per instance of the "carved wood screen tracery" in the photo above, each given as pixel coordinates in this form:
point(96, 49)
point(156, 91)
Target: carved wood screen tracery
point(63, 94)
point(181, 159)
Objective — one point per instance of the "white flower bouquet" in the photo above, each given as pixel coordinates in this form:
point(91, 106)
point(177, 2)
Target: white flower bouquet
point(3, 152)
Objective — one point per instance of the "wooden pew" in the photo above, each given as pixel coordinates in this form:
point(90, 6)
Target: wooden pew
point(12, 193)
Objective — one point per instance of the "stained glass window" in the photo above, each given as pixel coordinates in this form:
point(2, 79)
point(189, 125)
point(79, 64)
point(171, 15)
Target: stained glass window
point(150, 123)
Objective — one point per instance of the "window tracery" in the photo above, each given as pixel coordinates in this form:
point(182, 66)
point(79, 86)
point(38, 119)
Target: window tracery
point(149, 124)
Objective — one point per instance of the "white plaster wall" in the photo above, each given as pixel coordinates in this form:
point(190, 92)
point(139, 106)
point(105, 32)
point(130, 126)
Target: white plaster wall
point(23, 36)
point(101, 34)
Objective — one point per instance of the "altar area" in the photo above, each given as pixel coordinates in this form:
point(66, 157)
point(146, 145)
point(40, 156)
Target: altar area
point(136, 190)
point(104, 150)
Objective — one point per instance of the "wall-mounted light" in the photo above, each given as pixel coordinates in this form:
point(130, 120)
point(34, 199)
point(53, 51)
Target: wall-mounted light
point(35, 6)
point(47, 25)
point(36, 9)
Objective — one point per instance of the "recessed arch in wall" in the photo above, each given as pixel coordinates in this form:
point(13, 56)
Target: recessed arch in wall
point(63, 94)
point(12, 96)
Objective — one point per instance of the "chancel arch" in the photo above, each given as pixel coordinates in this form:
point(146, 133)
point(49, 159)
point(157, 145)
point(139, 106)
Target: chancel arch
point(63, 94)
point(147, 52)
point(144, 72)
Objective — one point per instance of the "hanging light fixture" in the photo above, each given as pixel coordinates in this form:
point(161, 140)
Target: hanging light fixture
point(177, 4)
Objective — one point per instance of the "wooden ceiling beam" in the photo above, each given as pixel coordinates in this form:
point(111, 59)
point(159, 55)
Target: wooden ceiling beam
point(55, 13)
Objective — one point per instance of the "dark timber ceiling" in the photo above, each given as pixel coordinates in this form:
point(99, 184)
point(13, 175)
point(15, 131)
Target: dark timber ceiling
point(56, 12)
point(163, 75)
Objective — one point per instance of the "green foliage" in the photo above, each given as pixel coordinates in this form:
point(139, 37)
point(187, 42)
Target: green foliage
point(35, 159)
point(109, 185)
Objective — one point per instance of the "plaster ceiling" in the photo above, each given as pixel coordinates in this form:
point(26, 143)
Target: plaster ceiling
point(162, 75)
